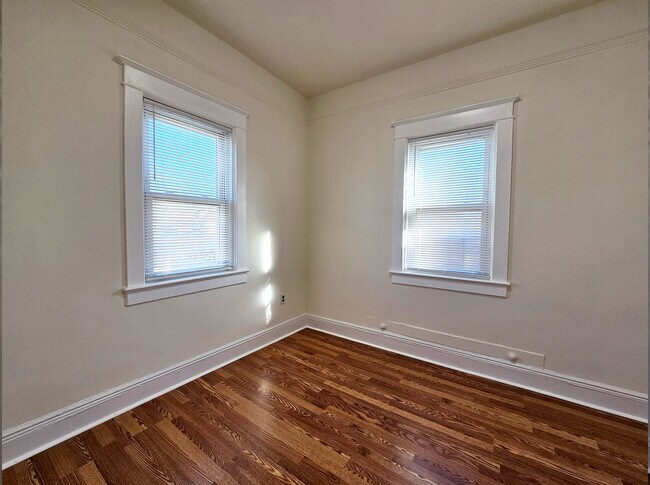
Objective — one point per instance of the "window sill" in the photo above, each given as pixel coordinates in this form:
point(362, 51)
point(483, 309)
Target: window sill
point(492, 288)
point(168, 289)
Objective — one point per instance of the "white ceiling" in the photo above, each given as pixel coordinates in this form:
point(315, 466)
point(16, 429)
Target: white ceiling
point(319, 45)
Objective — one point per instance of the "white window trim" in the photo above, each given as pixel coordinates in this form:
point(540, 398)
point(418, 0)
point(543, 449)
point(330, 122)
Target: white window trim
point(140, 82)
point(500, 115)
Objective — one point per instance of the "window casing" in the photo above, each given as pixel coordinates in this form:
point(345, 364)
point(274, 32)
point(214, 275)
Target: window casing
point(184, 187)
point(452, 199)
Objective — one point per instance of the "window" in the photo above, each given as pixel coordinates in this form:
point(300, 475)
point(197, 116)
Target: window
point(187, 167)
point(449, 204)
point(184, 188)
point(452, 199)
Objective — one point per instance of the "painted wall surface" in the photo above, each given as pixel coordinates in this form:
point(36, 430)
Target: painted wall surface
point(323, 193)
point(66, 332)
point(578, 257)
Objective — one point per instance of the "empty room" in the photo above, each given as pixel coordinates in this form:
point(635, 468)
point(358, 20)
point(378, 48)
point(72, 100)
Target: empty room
point(325, 241)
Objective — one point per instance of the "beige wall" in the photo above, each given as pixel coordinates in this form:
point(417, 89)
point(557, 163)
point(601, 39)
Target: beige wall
point(578, 259)
point(66, 332)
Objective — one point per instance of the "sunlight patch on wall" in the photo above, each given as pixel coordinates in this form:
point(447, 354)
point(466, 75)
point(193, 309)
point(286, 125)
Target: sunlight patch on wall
point(267, 254)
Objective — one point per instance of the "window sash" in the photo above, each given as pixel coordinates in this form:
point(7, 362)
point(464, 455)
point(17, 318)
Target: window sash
point(209, 269)
point(199, 250)
point(431, 245)
point(485, 234)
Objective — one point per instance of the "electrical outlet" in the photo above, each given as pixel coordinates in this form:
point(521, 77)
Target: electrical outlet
point(282, 299)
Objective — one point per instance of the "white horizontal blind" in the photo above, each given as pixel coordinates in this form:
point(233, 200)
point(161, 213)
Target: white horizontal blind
point(449, 204)
point(188, 194)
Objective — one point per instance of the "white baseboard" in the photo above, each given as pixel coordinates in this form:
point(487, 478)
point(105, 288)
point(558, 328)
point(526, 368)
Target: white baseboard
point(622, 402)
point(32, 437)
point(35, 436)
point(477, 347)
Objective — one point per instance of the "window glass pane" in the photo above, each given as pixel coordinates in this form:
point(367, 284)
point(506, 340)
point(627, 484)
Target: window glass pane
point(445, 242)
point(449, 204)
point(186, 237)
point(187, 168)
point(450, 173)
point(183, 158)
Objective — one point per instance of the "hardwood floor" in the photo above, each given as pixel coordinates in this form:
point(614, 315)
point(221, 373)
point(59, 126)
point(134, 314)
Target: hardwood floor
point(315, 409)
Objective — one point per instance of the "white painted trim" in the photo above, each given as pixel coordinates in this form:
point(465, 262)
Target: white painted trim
point(140, 82)
point(25, 440)
point(622, 402)
point(462, 109)
point(174, 93)
point(498, 114)
point(133, 187)
point(491, 288)
point(141, 75)
point(35, 436)
point(399, 169)
point(239, 197)
point(464, 117)
point(503, 186)
point(476, 346)
point(168, 289)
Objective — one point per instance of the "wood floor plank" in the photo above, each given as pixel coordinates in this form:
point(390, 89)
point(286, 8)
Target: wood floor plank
point(85, 475)
point(314, 408)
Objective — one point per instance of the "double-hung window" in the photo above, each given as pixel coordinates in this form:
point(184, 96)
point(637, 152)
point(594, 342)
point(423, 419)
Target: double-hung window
point(188, 206)
point(452, 199)
point(184, 188)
